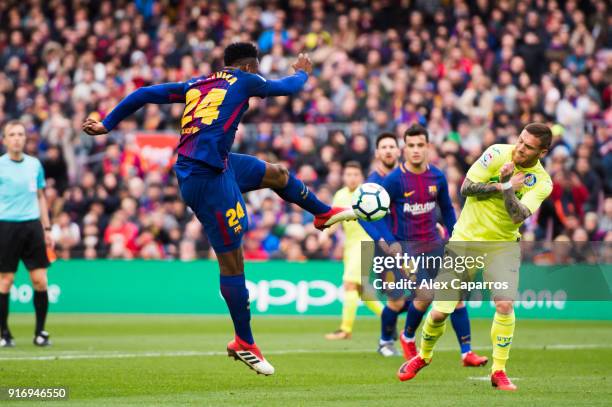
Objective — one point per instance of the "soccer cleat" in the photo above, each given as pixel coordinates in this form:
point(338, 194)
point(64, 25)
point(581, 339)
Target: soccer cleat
point(338, 335)
point(250, 355)
point(473, 360)
point(409, 347)
point(500, 380)
point(387, 349)
point(42, 339)
point(334, 215)
point(6, 340)
point(410, 368)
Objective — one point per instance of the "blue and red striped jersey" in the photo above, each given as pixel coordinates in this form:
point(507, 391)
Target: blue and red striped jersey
point(414, 198)
point(214, 105)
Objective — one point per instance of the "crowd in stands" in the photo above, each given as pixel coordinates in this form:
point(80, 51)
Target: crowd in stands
point(474, 72)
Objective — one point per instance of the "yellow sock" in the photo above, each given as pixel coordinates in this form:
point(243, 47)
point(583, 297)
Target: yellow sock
point(502, 332)
point(374, 306)
point(430, 334)
point(349, 310)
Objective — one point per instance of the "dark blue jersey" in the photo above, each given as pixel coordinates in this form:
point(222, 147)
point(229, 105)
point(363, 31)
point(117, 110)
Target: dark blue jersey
point(414, 198)
point(214, 105)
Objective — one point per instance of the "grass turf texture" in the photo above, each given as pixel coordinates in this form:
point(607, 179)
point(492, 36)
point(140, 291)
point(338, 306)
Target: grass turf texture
point(179, 360)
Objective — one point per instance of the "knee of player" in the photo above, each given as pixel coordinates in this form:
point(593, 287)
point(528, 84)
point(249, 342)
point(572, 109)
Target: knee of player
point(39, 282)
point(280, 175)
point(504, 306)
point(6, 281)
point(437, 316)
point(396, 305)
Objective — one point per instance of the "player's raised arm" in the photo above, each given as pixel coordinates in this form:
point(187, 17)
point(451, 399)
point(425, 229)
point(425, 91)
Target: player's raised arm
point(286, 86)
point(158, 94)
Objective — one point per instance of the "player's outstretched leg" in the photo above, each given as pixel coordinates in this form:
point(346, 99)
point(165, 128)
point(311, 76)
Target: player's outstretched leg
point(6, 281)
point(252, 173)
point(434, 327)
point(414, 316)
point(502, 333)
point(236, 296)
point(461, 324)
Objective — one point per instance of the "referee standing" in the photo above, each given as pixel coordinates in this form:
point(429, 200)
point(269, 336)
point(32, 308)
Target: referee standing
point(24, 229)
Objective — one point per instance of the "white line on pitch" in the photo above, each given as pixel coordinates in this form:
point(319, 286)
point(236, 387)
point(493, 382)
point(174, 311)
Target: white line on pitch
point(71, 355)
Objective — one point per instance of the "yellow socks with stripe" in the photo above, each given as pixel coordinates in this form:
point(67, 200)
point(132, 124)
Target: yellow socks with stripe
point(375, 306)
point(502, 332)
point(431, 332)
point(349, 310)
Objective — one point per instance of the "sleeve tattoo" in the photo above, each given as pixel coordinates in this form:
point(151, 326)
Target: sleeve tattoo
point(517, 211)
point(478, 189)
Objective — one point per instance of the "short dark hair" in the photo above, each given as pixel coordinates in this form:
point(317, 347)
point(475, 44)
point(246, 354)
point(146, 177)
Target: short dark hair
point(12, 123)
point(385, 135)
point(353, 164)
point(542, 132)
point(417, 130)
point(238, 51)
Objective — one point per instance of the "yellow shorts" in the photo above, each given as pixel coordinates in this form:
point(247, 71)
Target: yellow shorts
point(500, 260)
point(356, 256)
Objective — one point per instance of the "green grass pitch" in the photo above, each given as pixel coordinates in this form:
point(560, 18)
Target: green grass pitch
point(120, 360)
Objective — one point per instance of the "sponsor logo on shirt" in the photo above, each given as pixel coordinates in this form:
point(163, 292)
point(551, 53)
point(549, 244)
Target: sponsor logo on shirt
point(419, 208)
point(408, 194)
point(486, 159)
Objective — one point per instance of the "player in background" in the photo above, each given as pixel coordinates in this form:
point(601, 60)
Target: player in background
point(212, 180)
point(503, 188)
point(416, 189)
point(24, 229)
point(352, 177)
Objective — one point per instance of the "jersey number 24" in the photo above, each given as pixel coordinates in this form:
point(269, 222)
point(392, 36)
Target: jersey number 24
point(201, 106)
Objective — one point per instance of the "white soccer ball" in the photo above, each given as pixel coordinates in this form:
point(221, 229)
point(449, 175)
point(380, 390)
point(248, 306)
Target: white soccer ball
point(371, 202)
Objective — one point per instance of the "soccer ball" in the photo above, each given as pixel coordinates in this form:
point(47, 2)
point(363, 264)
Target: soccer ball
point(371, 202)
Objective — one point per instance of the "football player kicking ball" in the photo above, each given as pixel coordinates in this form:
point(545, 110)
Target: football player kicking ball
point(212, 179)
point(503, 188)
point(416, 189)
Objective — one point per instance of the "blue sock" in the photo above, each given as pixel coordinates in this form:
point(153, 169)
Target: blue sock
point(296, 192)
point(413, 320)
point(236, 295)
point(388, 321)
point(461, 325)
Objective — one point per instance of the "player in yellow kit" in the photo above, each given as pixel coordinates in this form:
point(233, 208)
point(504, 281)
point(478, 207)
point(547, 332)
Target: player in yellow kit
point(354, 234)
point(503, 188)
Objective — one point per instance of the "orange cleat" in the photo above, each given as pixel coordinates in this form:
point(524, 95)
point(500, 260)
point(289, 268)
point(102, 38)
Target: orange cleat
point(250, 355)
point(338, 335)
point(501, 381)
point(409, 369)
point(334, 215)
point(409, 347)
point(473, 360)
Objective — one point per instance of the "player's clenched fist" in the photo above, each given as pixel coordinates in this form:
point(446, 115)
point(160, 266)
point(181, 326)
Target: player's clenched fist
point(94, 127)
point(303, 63)
point(506, 172)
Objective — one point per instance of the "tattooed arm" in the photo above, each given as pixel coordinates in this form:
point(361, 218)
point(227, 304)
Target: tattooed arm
point(517, 211)
point(479, 189)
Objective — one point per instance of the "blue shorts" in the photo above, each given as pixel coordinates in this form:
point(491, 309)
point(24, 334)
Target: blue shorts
point(215, 196)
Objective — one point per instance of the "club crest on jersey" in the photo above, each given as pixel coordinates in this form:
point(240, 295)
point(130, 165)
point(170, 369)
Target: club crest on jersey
point(530, 180)
point(433, 190)
point(486, 159)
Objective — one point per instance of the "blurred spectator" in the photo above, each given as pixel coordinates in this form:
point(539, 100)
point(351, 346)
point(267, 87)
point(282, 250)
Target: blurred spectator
point(474, 74)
